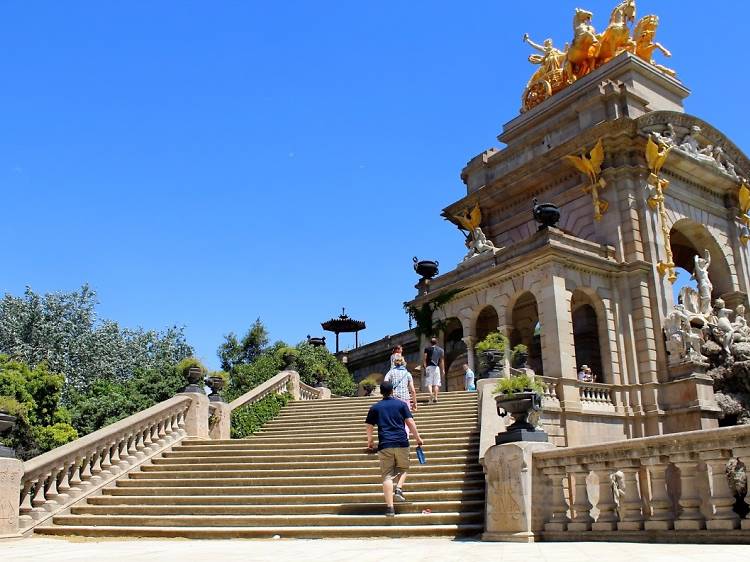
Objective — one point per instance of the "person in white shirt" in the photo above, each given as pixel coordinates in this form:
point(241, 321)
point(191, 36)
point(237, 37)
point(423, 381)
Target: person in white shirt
point(468, 378)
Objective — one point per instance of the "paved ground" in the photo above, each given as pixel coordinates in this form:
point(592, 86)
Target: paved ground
point(406, 550)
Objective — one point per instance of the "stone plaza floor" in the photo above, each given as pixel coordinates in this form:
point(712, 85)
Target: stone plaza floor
point(40, 549)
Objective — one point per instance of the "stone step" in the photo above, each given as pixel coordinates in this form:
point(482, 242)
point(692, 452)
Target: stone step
point(344, 426)
point(469, 453)
point(467, 459)
point(127, 487)
point(323, 469)
point(374, 508)
point(423, 414)
point(316, 437)
point(421, 496)
point(342, 445)
point(425, 410)
point(444, 397)
point(387, 527)
point(238, 479)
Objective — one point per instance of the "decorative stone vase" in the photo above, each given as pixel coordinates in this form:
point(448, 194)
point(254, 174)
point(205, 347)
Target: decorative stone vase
point(316, 342)
point(519, 405)
point(216, 384)
point(494, 359)
point(7, 423)
point(427, 269)
point(520, 359)
point(546, 214)
point(194, 376)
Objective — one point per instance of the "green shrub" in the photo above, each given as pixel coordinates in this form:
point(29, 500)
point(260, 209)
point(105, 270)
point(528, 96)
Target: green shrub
point(247, 420)
point(12, 407)
point(51, 436)
point(493, 341)
point(518, 383)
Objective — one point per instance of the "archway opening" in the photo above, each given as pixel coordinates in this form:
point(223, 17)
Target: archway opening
point(586, 335)
point(455, 354)
point(487, 322)
point(527, 330)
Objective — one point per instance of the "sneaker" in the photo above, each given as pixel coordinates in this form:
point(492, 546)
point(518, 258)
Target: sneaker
point(390, 512)
point(398, 493)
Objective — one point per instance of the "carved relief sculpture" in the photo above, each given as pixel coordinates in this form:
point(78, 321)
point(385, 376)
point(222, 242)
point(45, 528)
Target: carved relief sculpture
point(592, 167)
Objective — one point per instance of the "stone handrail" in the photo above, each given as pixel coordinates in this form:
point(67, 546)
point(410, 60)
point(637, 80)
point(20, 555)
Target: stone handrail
point(285, 381)
point(664, 485)
point(599, 393)
point(56, 479)
point(550, 390)
point(490, 424)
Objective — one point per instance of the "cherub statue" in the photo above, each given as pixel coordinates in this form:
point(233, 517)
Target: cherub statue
point(550, 60)
point(690, 142)
point(476, 241)
point(723, 324)
point(645, 45)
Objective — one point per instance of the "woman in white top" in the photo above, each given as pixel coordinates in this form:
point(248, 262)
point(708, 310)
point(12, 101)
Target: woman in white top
point(402, 381)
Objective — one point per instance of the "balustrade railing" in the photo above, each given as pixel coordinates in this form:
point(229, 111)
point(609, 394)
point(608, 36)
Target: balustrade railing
point(285, 381)
point(550, 390)
point(596, 393)
point(678, 484)
point(64, 475)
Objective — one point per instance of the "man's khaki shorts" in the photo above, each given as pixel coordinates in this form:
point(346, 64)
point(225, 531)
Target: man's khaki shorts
point(394, 461)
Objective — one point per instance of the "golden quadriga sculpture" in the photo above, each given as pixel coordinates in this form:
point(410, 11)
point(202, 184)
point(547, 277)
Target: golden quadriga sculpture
point(589, 50)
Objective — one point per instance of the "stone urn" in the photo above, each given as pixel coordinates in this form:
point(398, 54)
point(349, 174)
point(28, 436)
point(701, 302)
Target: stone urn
point(316, 342)
point(546, 214)
point(7, 423)
point(494, 359)
point(194, 376)
point(216, 384)
point(521, 357)
point(519, 405)
point(427, 269)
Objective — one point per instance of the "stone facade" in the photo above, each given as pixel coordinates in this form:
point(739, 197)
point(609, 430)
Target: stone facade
point(591, 291)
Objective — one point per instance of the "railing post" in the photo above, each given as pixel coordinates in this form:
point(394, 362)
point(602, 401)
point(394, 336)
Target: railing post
point(11, 473)
point(558, 519)
point(631, 504)
point(196, 418)
point(221, 426)
point(721, 500)
point(607, 520)
point(690, 518)
point(743, 455)
point(661, 518)
point(293, 385)
point(581, 505)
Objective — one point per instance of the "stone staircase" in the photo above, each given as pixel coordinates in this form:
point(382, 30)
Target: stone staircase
point(306, 474)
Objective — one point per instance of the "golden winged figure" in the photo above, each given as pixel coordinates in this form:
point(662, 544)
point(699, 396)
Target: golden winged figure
point(744, 196)
point(655, 158)
point(470, 218)
point(591, 165)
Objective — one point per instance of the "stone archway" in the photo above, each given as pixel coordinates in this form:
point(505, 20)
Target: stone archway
point(586, 335)
point(455, 354)
point(487, 322)
point(527, 330)
point(688, 238)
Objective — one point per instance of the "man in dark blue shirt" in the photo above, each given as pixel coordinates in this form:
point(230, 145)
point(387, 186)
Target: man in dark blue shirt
point(390, 415)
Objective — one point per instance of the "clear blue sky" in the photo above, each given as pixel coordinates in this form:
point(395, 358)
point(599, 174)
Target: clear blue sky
point(207, 163)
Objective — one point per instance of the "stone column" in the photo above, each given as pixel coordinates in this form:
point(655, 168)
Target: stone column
point(631, 504)
point(607, 520)
point(196, 418)
point(581, 505)
point(661, 518)
point(11, 473)
point(743, 454)
point(558, 351)
point(470, 341)
point(690, 518)
point(558, 519)
point(722, 497)
point(510, 498)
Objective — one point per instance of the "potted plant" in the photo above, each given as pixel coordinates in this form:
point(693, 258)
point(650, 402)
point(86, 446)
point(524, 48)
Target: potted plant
point(491, 352)
point(520, 354)
point(10, 411)
point(216, 381)
point(193, 370)
point(519, 396)
point(369, 385)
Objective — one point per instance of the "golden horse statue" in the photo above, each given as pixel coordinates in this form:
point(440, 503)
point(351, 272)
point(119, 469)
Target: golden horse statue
point(616, 38)
point(581, 57)
point(645, 45)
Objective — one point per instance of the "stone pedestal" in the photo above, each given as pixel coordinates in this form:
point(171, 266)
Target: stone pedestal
point(220, 428)
point(508, 473)
point(196, 419)
point(11, 472)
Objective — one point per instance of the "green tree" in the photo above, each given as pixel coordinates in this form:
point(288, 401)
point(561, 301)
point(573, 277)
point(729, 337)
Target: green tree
point(235, 352)
point(42, 423)
point(62, 330)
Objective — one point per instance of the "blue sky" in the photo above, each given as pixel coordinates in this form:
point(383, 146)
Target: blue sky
point(207, 163)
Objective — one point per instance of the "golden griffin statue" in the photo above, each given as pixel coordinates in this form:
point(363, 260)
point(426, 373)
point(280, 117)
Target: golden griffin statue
point(589, 50)
point(592, 167)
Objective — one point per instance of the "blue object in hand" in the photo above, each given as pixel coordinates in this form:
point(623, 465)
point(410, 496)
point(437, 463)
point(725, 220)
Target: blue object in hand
point(420, 456)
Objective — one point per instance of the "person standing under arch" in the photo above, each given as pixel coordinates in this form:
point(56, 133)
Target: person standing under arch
point(433, 363)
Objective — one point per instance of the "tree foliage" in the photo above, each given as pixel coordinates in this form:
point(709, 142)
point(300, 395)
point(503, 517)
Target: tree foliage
point(33, 396)
point(62, 331)
point(235, 352)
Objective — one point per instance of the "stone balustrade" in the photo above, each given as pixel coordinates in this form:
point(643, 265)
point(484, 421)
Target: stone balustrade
point(669, 487)
point(54, 480)
point(550, 391)
point(285, 381)
point(595, 393)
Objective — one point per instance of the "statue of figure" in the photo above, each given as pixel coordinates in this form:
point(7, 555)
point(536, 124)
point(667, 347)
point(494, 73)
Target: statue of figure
point(666, 138)
point(700, 274)
point(723, 324)
point(476, 241)
point(617, 481)
point(690, 143)
point(549, 61)
point(683, 342)
point(645, 45)
point(581, 57)
point(616, 38)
